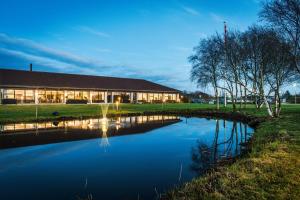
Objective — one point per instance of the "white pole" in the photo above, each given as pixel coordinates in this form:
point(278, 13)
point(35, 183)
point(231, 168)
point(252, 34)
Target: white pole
point(295, 85)
point(225, 100)
point(36, 102)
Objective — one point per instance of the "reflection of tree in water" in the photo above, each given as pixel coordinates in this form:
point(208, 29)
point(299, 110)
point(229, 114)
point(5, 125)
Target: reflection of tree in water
point(223, 147)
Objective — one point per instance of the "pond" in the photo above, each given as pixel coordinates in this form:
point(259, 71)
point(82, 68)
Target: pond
point(136, 157)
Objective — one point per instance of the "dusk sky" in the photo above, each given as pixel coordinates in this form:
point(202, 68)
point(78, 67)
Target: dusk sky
point(137, 39)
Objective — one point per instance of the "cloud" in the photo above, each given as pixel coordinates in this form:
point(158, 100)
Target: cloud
point(31, 51)
point(92, 31)
point(44, 61)
point(35, 48)
point(190, 10)
point(21, 52)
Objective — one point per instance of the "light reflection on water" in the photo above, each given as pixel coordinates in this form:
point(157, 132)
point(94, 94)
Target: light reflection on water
point(52, 132)
point(155, 153)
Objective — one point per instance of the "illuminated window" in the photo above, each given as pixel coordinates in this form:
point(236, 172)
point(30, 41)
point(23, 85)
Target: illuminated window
point(19, 95)
point(29, 96)
point(97, 97)
point(70, 95)
point(9, 94)
point(78, 95)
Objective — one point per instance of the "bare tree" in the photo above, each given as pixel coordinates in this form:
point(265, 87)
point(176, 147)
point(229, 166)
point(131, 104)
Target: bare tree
point(280, 68)
point(259, 61)
point(251, 44)
point(285, 15)
point(205, 65)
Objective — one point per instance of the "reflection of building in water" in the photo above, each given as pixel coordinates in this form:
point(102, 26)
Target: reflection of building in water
point(87, 124)
point(21, 134)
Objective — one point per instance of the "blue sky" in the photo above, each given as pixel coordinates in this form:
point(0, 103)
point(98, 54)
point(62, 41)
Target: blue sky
point(139, 39)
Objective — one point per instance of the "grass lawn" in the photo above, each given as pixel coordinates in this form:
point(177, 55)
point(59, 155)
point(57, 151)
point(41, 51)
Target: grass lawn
point(15, 113)
point(19, 113)
point(270, 171)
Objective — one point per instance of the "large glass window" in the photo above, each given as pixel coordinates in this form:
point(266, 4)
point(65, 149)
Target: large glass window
point(155, 98)
point(97, 97)
point(139, 96)
point(166, 97)
point(70, 95)
point(19, 96)
point(42, 96)
point(78, 95)
point(9, 94)
point(142, 97)
point(85, 95)
point(29, 96)
point(60, 97)
point(151, 97)
point(125, 97)
point(49, 96)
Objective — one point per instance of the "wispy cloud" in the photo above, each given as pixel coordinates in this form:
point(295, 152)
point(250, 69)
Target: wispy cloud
point(24, 51)
point(31, 51)
point(190, 10)
point(33, 47)
point(44, 61)
point(93, 31)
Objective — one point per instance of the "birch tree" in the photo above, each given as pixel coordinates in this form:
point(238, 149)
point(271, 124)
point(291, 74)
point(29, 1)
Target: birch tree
point(205, 65)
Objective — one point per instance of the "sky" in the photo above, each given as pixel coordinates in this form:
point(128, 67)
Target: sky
point(148, 39)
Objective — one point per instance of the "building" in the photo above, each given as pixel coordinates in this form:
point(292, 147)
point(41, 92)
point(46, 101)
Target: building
point(33, 87)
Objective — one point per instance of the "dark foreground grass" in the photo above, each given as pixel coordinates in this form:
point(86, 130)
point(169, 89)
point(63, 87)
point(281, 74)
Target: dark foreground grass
point(270, 171)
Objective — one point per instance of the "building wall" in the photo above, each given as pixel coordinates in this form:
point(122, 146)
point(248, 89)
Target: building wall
point(40, 96)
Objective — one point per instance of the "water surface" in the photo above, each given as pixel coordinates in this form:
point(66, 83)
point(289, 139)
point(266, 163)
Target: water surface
point(121, 158)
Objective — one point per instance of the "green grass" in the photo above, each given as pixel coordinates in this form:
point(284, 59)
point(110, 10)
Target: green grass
point(270, 171)
point(16, 113)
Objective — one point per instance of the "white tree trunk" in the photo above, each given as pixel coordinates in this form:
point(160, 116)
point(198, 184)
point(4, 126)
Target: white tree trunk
point(269, 109)
point(217, 98)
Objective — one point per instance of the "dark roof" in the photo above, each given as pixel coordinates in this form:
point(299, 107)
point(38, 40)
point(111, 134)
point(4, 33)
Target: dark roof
point(34, 79)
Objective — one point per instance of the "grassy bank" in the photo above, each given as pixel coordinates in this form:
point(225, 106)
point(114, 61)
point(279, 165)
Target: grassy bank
point(270, 171)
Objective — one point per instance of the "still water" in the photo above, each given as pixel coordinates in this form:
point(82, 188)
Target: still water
point(119, 158)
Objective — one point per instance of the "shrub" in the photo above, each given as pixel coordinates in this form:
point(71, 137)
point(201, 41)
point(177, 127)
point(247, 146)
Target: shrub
point(9, 101)
point(76, 101)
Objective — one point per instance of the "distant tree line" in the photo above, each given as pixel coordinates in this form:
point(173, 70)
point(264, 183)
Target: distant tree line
point(257, 62)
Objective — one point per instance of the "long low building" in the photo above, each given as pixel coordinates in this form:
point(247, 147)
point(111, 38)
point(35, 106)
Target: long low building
point(33, 87)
